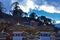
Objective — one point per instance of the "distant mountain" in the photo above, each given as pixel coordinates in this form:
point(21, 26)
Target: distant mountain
point(57, 25)
point(54, 16)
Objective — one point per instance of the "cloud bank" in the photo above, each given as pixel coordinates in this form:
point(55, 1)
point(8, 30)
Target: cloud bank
point(51, 6)
point(58, 21)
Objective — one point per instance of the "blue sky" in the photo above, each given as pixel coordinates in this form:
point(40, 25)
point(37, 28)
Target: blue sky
point(48, 8)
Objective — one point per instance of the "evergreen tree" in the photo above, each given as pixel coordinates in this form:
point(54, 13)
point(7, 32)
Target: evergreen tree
point(17, 12)
point(33, 15)
point(25, 14)
point(1, 10)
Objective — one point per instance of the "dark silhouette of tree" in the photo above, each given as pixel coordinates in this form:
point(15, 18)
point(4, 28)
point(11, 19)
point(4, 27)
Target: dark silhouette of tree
point(39, 21)
point(17, 12)
point(43, 17)
point(1, 9)
point(46, 21)
point(43, 20)
point(53, 21)
point(32, 15)
point(25, 14)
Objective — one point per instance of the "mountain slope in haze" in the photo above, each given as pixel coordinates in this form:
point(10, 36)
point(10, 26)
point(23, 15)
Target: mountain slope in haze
point(53, 16)
point(57, 25)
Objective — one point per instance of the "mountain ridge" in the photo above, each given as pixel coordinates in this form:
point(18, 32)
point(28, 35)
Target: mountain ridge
point(57, 25)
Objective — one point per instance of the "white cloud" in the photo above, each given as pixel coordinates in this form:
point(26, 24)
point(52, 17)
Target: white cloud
point(25, 9)
point(45, 7)
point(29, 4)
point(13, 1)
point(58, 21)
point(50, 9)
point(26, 5)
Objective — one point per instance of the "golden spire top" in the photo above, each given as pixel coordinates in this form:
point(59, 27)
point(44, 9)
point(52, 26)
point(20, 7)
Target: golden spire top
point(18, 23)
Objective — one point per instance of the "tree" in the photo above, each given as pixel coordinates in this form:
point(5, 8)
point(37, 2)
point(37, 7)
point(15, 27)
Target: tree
point(1, 7)
point(39, 21)
point(15, 6)
point(45, 20)
point(48, 20)
point(17, 12)
point(32, 15)
point(43, 17)
point(1, 10)
point(25, 14)
point(53, 21)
